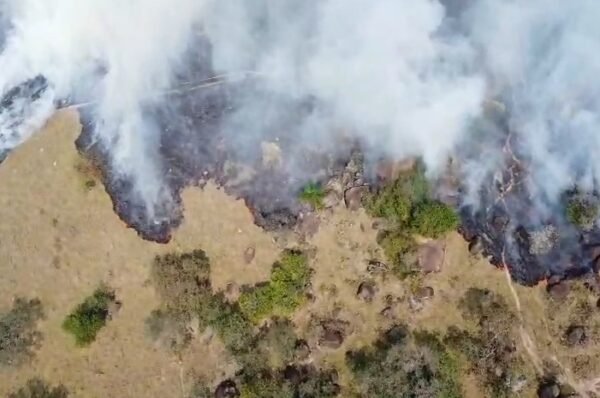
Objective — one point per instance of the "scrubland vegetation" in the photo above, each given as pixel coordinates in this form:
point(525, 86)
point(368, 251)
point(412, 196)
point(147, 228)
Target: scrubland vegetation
point(405, 364)
point(264, 345)
point(37, 388)
point(19, 336)
point(582, 210)
point(283, 293)
point(89, 317)
point(406, 206)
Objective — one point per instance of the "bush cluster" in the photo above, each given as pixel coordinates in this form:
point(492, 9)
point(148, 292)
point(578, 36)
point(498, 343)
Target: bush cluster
point(266, 356)
point(491, 350)
point(183, 283)
point(18, 333)
point(283, 293)
point(406, 365)
point(582, 211)
point(295, 381)
point(433, 219)
point(89, 317)
point(406, 205)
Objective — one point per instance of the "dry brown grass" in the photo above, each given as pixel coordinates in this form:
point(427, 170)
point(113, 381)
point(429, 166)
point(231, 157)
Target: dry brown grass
point(61, 241)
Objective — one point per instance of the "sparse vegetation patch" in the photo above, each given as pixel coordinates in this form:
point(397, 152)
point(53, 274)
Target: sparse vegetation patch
point(582, 211)
point(433, 219)
point(408, 209)
point(18, 332)
point(283, 293)
point(37, 388)
point(89, 317)
point(402, 364)
point(313, 194)
point(491, 351)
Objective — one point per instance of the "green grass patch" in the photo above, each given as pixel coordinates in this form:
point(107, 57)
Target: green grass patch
point(283, 293)
point(89, 317)
point(313, 194)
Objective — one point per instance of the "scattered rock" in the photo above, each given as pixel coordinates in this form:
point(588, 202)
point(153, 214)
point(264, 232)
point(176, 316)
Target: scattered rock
point(302, 350)
point(232, 289)
point(475, 246)
point(575, 335)
point(549, 390)
point(431, 256)
point(331, 199)
point(249, 254)
point(353, 197)
point(113, 308)
point(387, 312)
point(424, 293)
point(376, 267)
point(292, 374)
point(518, 384)
point(414, 304)
point(309, 224)
point(389, 170)
point(559, 291)
point(366, 291)
point(331, 338)
point(227, 389)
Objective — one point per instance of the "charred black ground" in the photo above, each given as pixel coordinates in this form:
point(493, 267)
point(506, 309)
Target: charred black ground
point(203, 138)
point(508, 226)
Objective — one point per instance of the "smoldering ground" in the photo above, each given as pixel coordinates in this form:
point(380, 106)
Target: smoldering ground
point(266, 95)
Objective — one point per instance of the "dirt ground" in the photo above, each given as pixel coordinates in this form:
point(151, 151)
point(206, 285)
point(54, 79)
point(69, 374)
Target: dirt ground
point(59, 239)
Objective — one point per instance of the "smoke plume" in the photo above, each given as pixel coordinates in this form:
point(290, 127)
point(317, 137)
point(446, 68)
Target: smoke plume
point(404, 78)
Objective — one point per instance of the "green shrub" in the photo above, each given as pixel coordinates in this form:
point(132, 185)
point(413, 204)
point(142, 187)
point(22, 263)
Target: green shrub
point(283, 293)
point(313, 194)
point(396, 200)
point(406, 205)
point(89, 317)
point(582, 211)
point(18, 333)
point(404, 365)
point(433, 219)
point(37, 388)
point(234, 329)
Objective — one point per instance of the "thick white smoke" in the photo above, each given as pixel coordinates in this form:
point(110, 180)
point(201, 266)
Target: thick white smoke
point(406, 77)
point(543, 59)
point(111, 52)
